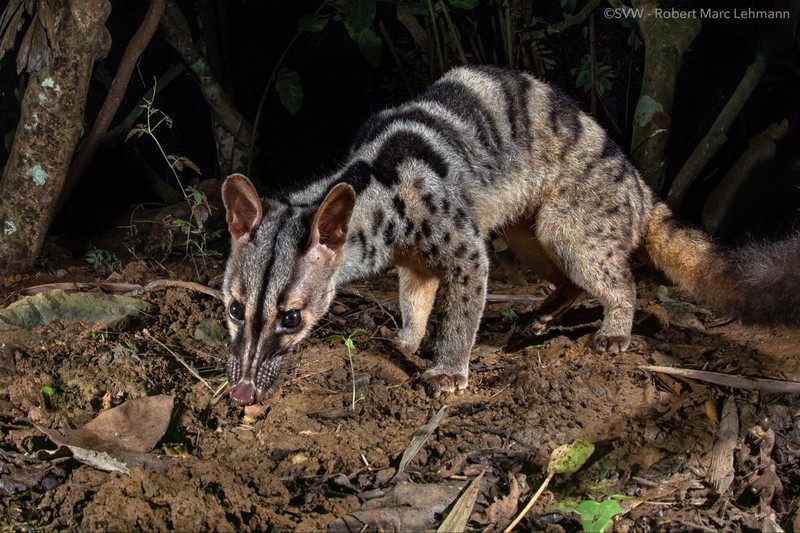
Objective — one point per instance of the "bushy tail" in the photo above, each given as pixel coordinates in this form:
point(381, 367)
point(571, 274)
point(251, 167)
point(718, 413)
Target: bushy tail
point(759, 283)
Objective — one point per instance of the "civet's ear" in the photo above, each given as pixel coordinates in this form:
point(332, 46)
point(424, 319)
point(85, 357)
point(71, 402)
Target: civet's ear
point(242, 206)
point(329, 227)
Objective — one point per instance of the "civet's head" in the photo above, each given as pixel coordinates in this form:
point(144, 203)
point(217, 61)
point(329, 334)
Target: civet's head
point(279, 279)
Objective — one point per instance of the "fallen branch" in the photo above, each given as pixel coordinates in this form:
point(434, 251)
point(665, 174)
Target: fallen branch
point(164, 283)
point(526, 299)
point(78, 286)
point(728, 380)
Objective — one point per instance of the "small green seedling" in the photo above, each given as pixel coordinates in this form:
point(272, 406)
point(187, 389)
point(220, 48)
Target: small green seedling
point(538, 348)
point(566, 459)
point(595, 516)
point(508, 314)
point(50, 397)
point(102, 258)
point(598, 516)
point(197, 234)
point(350, 345)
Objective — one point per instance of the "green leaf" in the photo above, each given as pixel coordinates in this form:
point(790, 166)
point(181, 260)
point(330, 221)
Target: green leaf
point(464, 4)
point(598, 516)
point(357, 16)
point(289, 89)
point(48, 391)
point(370, 45)
point(358, 331)
point(312, 23)
point(568, 458)
point(604, 74)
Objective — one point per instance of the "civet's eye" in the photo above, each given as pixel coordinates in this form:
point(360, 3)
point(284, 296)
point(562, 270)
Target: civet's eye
point(291, 319)
point(236, 311)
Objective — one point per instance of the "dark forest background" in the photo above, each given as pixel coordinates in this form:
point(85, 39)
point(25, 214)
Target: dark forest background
point(344, 77)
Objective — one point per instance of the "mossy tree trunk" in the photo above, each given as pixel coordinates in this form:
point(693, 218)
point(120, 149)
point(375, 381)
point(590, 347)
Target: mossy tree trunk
point(50, 125)
point(665, 40)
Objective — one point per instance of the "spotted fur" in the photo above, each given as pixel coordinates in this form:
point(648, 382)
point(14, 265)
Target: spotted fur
point(483, 149)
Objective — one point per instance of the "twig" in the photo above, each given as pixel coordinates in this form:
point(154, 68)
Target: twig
point(727, 380)
point(192, 370)
point(568, 22)
point(369, 297)
point(509, 35)
point(530, 503)
point(190, 285)
point(437, 44)
point(135, 47)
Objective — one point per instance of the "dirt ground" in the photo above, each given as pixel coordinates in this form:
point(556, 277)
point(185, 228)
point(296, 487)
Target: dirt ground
point(310, 462)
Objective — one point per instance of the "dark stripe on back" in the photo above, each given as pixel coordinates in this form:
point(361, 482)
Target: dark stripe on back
point(515, 88)
point(358, 175)
point(457, 98)
point(610, 148)
point(565, 120)
point(401, 146)
point(383, 122)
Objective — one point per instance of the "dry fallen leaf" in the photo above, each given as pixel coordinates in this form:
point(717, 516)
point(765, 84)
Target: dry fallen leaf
point(120, 437)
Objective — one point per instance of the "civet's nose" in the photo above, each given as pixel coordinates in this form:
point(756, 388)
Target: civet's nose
point(244, 393)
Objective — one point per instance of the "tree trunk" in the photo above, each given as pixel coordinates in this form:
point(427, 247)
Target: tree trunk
point(716, 210)
point(50, 125)
point(231, 131)
point(717, 135)
point(665, 40)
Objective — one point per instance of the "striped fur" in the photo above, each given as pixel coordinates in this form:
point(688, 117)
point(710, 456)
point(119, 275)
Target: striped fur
point(483, 149)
